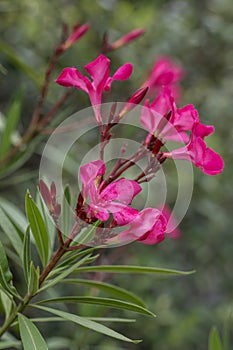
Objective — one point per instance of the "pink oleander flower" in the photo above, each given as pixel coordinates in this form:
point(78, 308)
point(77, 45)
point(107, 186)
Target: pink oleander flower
point(148, 227)
point(126, 39)
point(99, 71)
point(198, 153)
point(76, 34)
point(165, 73)
point(180, 120)
point(115, 198)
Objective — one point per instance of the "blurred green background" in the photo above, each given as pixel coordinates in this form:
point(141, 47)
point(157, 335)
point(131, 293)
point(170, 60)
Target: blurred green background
point(199, 36)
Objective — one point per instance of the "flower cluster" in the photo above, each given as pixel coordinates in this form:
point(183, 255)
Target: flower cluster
point(116, 199)
point(108, 198)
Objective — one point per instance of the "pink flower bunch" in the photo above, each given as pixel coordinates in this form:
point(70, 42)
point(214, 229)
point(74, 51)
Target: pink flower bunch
point(165, 121)
point(147, 226)
point(108, 198)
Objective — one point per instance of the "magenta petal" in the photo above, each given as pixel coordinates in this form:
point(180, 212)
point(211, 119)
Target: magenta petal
point(70, 77)
point(166, 72)
point(212, 163)
point(145, 224)
point(122, 190)
point(124, 72)
point(99, 70)
point(163, 102)
point(102, 214)
point(90, 171)
point(156, 234)
point(150, 119)
point(125, 216)
point(202, 130)
point(185, 117)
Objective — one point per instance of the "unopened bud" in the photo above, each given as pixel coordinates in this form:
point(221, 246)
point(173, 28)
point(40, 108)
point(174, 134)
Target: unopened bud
point(126, 39)
point(77, 33)
point(137, 97)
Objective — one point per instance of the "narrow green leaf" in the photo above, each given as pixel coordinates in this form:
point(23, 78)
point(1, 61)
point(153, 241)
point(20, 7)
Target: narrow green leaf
point(65, 273)
point(114, 303)
point(97, 327)
point(26, 254)
point(38, 228)
point(70, 259)
point(71, 256)
point(133, 269)
point(30, 335)
point(214, 340)
point(108, 288)
point(5, 274)
point(111, 319)
point(12, 118)
point(11, 232)
point(33, 279)
point(9, 344)
point(98, 319)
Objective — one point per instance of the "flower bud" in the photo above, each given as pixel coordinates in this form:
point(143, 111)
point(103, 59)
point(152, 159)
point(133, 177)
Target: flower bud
point(124, 40)
point(137, 97)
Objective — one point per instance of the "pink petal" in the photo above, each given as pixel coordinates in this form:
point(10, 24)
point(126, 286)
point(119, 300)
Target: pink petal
point(90, 171)
point(212, 163)
point(122, 190)
point(99, 70)
point(156, 234)
point(88, 174)
point(70, 77)
point(102, 214)
point(166, 72)
point(150, 118)
point(186, 117)
point(143, 223)
point(163, 102)
point(202, 130)
point(123, 73)
point(125, 216)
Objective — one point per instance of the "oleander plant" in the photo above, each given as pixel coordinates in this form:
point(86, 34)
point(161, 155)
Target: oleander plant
point(102, 168)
